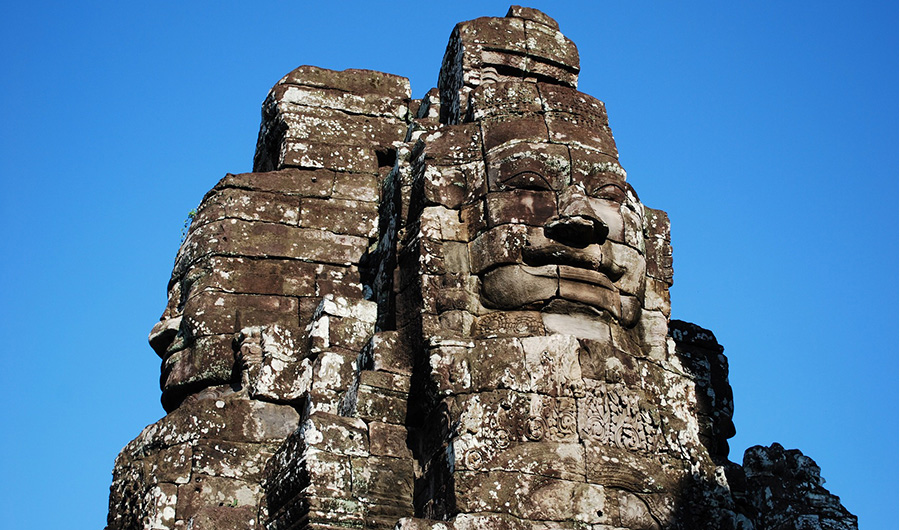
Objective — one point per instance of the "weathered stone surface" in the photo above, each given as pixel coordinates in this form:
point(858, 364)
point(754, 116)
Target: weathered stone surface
point(785, 487)
point(531, 497)
point(350, 80)
point(269, 240)
point(445, 313)
point(506, 97)
point(248, 205)
point(499, 130)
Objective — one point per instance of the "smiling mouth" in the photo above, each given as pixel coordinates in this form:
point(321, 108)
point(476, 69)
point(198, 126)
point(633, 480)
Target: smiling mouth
point(537, 287)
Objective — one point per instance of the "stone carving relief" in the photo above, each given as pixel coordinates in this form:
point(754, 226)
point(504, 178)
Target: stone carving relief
point(613, 415)
point(439, 313)
point(551, 419)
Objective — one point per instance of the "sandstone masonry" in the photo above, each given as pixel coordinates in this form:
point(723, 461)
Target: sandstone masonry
point(443, 313)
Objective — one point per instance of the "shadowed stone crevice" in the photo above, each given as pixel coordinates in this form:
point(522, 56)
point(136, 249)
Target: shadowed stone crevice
point(443, 313)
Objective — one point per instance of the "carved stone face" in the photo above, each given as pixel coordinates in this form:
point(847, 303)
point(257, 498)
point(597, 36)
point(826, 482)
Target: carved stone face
point(571, 227)
point(190, 354)
point(262, 250)
point(212, 301)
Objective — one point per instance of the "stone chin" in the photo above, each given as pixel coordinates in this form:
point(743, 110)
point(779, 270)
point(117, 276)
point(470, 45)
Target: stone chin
point(559, 289)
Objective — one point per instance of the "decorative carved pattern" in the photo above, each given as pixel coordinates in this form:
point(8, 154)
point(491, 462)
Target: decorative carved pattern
point(551, 420)
point(509, 324)
point(611, 415)
point(249, 355)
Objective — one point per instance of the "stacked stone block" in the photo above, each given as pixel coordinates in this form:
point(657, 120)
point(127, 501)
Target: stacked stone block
point(786, 489)
point(443, 313)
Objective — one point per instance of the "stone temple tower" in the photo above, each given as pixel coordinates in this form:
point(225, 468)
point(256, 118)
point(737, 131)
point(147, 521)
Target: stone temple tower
point(443, 313)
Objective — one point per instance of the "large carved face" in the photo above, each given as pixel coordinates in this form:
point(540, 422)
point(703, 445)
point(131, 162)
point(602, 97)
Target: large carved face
point(570, 228)
point(193, 350)
point(235, 270)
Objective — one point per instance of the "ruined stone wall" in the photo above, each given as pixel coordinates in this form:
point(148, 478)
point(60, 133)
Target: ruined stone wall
point(450, 312)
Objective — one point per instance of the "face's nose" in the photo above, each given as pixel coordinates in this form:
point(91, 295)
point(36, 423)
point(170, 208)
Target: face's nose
point(163, 335)
point(577, 230)
point(577, 224)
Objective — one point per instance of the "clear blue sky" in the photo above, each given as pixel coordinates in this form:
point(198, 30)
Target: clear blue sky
point(767, 130)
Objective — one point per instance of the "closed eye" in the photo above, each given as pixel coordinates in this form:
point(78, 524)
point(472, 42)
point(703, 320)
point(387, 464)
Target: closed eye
point(526, 180)
point(609, 192)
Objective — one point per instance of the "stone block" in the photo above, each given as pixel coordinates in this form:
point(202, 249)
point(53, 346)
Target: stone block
point(336, 434)
point(356, 186)
point(557, 98)
point(620, 416)
point(499, 364)
point(208, 360)
point(603, 361)
point(578, 324)
point(499, 245)
point(623, 469)
point(212, 313)
point(520, 206)
point(499, 33)
point(273, 365)
point(290, 96)
point(338, 157)
point(552, 363)
point(225, 517)
point(505, 98)
point(589, 164)
point(384, 380)
point(338, 281)
point(508, 324)
point(450, 369)
point(375, 404)
point(586, 131)
point(653, 328)
point(350, 80)
point(533, 15)
point(327, 126)
point(205, 492)
point(499, 130)
point(172, 464)
point(235, 237)
point(161, 506)
point(236, 203)
point(530, 496)
point(453, 146)
point(656, 296)
point(220, 458)
point(444, 185)
point(340, 216)
point(473, 215)
point(506, 416)
point(259, 276)
point(390, 354)
point(305, 183)
point(334, 371)
point(383, 480)
point(517, 286)
point(551, 46)
point(550, 459)
point(438, 222)
point(387, 439)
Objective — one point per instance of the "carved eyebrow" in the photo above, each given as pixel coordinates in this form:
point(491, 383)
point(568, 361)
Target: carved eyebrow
point(619, 192)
